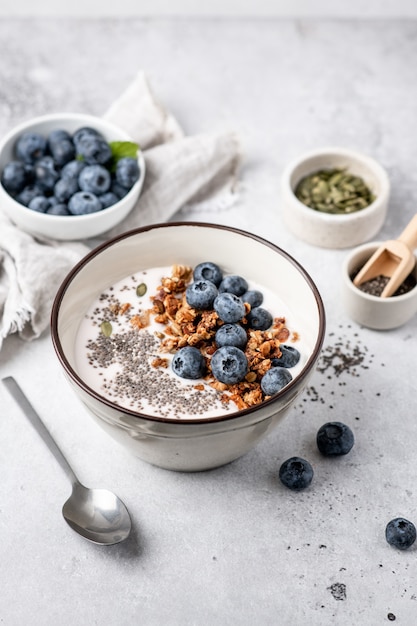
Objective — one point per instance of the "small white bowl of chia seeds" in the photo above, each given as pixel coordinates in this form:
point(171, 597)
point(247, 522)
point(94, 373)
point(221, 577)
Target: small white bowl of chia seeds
point(334, 197)
point(364, 305)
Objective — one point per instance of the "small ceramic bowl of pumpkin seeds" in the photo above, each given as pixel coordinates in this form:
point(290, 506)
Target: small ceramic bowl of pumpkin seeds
point(335, 197)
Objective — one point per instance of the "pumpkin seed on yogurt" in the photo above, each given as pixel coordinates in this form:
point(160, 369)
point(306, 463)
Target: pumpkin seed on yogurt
point(106, 328)
point(141, 290)
point(334, 191)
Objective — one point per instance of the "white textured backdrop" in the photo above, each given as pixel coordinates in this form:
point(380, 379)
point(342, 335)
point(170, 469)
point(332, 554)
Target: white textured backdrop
point(222, 8)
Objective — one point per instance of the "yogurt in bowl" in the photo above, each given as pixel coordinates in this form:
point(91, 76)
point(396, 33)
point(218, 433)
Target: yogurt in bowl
point(127, 340)
point(108, 275)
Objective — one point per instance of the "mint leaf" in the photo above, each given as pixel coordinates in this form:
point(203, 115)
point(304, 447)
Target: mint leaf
point(121, 149)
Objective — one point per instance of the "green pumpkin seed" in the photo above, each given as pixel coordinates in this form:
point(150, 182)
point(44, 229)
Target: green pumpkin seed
point(106, 328)
point(141, 290)
point(334, 191)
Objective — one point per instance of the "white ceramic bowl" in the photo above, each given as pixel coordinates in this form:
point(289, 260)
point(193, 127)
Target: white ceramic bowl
point(195, 444)
point(373, 311)
point(328, 230)
point(72, 226)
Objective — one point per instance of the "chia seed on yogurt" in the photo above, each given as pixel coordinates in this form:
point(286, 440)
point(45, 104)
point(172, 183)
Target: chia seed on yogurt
point(139, 385)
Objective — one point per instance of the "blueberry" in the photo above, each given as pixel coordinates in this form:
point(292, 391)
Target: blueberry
point(14, 177)
point(296, 473)
point(335, 439)
point(274, 380)
point(65, 188)
point(229, 365)
point(254, 297)
point(201, 294)
point(289, 357)
point(30, 174)
point(118, 190)
point(259, 318)
point(58, 209)
point(39, 204)
point(52, 200)
point(95, 179)
point(83, 202)
point(108, 199)
point(231, 335)
point(127, 172)
point(233, 284)
point(72, 169)
point(83, 133)
point(28, 193)
point(30, 147)
point(94, 150)
point(400, 533)
point(46, 174)
point(63, 152)
point(208, 271)
point(57, 135)
point(61, 147)
point(189, 363)
point(229, 307)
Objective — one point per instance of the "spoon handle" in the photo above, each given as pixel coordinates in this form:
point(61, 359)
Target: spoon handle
point(409, 234)
point(24, 404)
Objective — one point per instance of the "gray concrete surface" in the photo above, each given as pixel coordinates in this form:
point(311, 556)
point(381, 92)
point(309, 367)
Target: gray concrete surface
point(230, 546)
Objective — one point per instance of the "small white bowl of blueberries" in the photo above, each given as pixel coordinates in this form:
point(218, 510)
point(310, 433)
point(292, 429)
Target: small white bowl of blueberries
point(69, 176)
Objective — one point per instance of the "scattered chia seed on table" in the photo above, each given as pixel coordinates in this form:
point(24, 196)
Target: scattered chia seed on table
point(345, 356)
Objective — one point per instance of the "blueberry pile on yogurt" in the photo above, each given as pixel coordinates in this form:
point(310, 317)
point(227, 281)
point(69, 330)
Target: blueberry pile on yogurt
point(69, 173)
point(239, 312)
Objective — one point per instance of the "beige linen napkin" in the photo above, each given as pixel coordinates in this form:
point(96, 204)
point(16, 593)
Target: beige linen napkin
point(197, 171)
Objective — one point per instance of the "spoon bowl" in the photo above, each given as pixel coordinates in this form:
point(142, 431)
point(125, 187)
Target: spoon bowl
point(96, 514)
point(394, 259)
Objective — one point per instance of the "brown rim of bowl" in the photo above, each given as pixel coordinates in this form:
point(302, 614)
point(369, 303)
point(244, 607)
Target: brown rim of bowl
point(235, 415)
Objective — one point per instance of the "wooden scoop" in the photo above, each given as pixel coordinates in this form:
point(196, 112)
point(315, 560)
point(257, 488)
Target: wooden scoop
point(393, 259)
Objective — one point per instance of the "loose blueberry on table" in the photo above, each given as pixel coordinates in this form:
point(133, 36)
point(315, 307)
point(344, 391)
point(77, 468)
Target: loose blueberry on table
point(296, 473)
point(81, 173)
point(335, 439)
point(400, 533)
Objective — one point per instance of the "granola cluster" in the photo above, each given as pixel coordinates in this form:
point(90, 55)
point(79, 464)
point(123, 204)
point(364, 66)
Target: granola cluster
point(187, 326)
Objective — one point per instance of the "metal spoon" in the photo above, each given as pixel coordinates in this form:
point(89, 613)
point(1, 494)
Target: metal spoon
point(393, 259)
point(96, 514)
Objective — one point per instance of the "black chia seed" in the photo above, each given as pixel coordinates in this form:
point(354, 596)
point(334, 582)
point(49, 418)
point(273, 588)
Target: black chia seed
point(138, 384)
point(344, 356)
point(375, 286)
